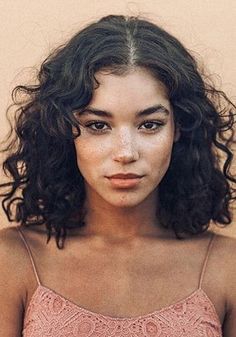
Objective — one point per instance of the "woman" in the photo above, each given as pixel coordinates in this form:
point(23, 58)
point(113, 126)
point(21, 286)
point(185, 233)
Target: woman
point(116, 155)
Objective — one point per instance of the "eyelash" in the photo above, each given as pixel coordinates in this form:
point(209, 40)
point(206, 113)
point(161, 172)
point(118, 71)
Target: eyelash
point(100, 131)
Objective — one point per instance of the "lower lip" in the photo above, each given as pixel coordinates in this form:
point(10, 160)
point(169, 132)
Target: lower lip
point(125, 183)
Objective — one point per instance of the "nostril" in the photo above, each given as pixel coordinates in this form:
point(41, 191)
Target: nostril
point(126, 156)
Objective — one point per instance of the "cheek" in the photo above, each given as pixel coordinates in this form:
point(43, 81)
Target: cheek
point(89, 154)
point(161, 160)
point(159, 154)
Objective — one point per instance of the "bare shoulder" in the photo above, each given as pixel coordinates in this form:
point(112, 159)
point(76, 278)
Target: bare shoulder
point(225, 247)
point(225, 253)
point(10, 245)
point(9, 235)
point(12, 256)
point(14, 261)
point(13, 247)
point(13, 291)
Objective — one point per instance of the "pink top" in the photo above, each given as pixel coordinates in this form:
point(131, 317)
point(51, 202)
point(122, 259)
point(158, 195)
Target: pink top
point(49, 314)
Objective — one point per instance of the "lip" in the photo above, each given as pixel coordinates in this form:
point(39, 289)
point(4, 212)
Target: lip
point(125, 180)
point(125, 176)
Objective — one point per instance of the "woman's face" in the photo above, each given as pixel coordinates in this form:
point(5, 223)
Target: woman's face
point(127, 127)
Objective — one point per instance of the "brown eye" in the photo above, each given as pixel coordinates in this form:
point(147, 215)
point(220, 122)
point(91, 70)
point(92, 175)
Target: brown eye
point(152, 125)
point(97, 126)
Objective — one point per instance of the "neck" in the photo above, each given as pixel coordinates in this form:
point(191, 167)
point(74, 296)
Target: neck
point(119, 224)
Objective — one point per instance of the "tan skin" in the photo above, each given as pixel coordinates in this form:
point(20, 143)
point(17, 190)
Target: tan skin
point(144, 267)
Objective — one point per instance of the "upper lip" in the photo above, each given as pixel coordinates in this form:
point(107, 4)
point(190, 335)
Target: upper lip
point(125, 176)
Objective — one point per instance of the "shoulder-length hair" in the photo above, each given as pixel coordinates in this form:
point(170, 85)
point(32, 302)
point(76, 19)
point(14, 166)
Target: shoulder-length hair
point(46, 185)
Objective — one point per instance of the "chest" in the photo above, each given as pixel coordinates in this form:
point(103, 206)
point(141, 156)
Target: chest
point(127, 283)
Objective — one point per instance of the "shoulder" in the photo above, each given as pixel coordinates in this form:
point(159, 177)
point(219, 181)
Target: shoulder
point(13, 256)
point(13, 290)
point(223, 245)
point(13, 246)
point(225, 261)
point(15, 262)
point(15, 265)
point(10, 245)
point(223, 242)
point(15, 279)
point(225, 249)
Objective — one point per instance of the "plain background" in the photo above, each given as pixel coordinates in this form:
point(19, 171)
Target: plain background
point(31, 29)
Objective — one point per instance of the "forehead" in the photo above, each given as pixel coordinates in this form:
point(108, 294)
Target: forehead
point(136, 88)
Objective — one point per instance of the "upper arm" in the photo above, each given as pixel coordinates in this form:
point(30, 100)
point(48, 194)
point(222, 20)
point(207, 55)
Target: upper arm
point(229, 325)
point(12, 285)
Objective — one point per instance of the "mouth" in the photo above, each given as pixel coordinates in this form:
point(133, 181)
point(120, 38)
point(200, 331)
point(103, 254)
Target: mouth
point(125, 176)
point(125, 181)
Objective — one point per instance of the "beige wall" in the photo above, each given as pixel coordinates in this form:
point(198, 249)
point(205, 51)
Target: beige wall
point(29, 29)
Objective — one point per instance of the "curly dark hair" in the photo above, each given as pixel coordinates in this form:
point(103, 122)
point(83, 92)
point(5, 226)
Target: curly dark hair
point(46, 185)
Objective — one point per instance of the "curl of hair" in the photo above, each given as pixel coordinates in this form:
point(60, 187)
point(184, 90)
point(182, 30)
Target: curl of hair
point(46, 185)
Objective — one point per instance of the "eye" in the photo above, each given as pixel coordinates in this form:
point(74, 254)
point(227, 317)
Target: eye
point(152, 125)
point(96, 126)
point(99, 126)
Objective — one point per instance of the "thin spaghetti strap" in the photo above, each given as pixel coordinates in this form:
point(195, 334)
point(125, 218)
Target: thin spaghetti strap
point(206, 259)
point(30, 254)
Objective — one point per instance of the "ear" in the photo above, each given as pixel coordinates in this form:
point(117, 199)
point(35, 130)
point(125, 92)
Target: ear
point(177, 132)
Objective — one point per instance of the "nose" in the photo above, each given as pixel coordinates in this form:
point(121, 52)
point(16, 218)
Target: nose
point(125, 149)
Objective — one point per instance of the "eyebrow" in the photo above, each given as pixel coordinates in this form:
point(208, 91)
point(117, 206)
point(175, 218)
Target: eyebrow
point(148, 111)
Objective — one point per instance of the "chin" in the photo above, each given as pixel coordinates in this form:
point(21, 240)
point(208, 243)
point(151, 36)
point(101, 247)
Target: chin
point(125, 201)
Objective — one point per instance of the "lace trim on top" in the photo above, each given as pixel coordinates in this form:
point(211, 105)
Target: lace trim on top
point(50, 314)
